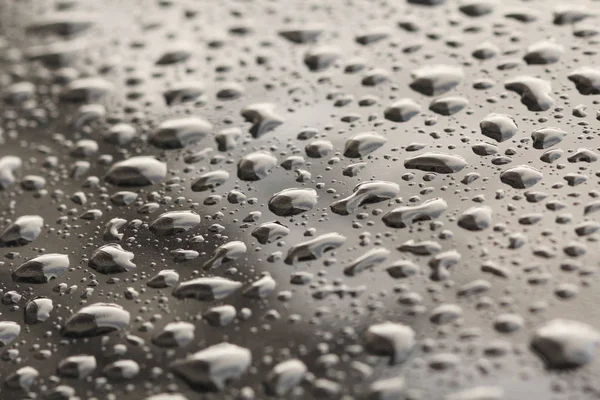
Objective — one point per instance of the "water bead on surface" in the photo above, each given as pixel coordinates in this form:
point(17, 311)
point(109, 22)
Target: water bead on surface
point(137, 171)
point(290, 202)
point(95, 320)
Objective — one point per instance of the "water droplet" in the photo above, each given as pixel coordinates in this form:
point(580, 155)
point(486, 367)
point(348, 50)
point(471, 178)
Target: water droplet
point(315, 248)
point(448, 105)
point(291, 202)
point(369, 260)
point(77, 366)
point(213, 368)
point(23, 231)
point(210, 180)
point(366, 193)
point(96, 320)
point(545, 52)
point(270, 232)
point(206, 289)
point(363, 144)
point(476, 219)
point(263, 118)
point(534, 92)
point(38, 310)
point(285, 376)
point(256, 166)
point(565, 343)
point(137, 171)
point(390, 339)
point(586, 79)
point(436, 80)
point(174, 222)
point(321, 58)
point(499, 127)
point(436, 162)
point(225, 253)
point(178, 133)
point(41, 269)
point(404, 216)
point(9, 331)
point(521, 177)
point(111, 259)
point(88, 90)
point(175, 334)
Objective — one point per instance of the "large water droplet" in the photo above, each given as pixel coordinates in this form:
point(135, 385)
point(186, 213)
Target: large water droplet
point(179, 132)
point(214, 367)
point(96, 320)
point(41, 269)
point(295, 201)
point(137, 171)
point(174, 222)
point(111, 259)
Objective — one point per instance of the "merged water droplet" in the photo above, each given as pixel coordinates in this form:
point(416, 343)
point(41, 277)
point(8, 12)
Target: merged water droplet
point(535, 92)
point(263, 118)
point(366, 193)
point(404, 216)
point(226, 252)
point(315, 248)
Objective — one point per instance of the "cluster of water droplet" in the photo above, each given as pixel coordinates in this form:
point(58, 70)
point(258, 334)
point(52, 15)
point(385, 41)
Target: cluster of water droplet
point(362, 199)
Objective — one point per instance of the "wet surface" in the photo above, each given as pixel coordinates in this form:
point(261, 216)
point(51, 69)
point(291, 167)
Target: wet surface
point(330, 200)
